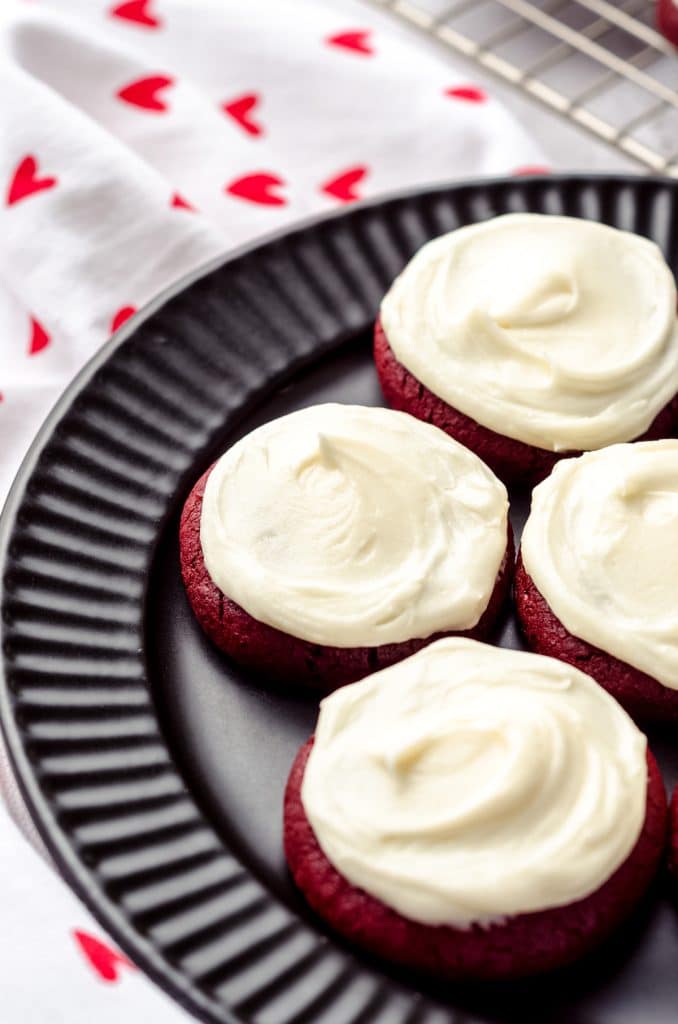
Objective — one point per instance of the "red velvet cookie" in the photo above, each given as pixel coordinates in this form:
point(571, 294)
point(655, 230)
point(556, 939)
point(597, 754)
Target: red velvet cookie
point(643, 696)
point(667, 19)
point(522, 945)
point(282, 658)
point(513, 461)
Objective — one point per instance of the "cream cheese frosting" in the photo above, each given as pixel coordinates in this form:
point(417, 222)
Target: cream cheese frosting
point(601, 545)
point(555, 331)
point(351, 526)
point(470, 783)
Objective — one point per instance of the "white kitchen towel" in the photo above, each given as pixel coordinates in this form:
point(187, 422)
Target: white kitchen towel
point(137, 140)
point(57, 965)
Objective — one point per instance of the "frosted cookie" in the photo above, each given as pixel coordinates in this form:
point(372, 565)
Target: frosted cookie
point(529, 337)
point(597, 582)
point(338, 539)
point(474, 812)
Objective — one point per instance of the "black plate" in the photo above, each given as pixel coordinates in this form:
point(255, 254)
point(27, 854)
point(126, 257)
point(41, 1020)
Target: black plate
point(153, 768)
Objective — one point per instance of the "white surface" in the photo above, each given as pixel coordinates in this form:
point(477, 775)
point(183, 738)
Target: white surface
point(45, 973)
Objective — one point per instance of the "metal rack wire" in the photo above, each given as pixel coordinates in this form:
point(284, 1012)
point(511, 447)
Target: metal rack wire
point(602, 65)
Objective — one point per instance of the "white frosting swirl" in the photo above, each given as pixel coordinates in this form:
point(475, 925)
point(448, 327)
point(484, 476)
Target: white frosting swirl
point(601, 545)
point(551, 330)
point(351, 526)
point(471, 783)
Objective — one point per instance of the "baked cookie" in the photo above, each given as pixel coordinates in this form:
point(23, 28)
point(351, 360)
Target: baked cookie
point(597, 578)
point(531, 337)
point(339, 539)
point(474, 813)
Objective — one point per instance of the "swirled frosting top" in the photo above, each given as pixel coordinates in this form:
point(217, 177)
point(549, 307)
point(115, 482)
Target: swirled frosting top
point(601, 545)
point(351, 526)
point(555, 331)
point(471, 783)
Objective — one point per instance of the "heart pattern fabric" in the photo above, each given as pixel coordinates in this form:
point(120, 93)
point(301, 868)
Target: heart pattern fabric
point(242, 110)
point(58, 964)
point(345, 186)
point(121, 317)
point(104, 959)
point(26, 181)
point(39, 338)
point(126, 116)
point(355, 41)
point(261, 189)
point(146, 93)
point(138, 12)
point(138, 140)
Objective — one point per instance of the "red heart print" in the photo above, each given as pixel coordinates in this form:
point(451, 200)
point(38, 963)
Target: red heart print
point(143, 92)
point(103, 959)
point(136, 11)
point(240, 109)
point(121, 317)
point(25, 181)
point(258, 188)
point(531, 169)
point(40, 339)
point(469, 93)
point(356, 40)
point(181, 203)
point(343, 186)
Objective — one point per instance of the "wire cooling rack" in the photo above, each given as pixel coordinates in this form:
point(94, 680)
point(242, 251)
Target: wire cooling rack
point(602, 65)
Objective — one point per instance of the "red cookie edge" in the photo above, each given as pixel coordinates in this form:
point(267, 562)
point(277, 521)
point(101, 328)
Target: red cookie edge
point(513, 461)
point(523, 945)
point(284, 659)
point(643, 696)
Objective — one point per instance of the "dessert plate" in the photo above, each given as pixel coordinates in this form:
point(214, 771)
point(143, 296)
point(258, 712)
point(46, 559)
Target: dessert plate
point(154, 769)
